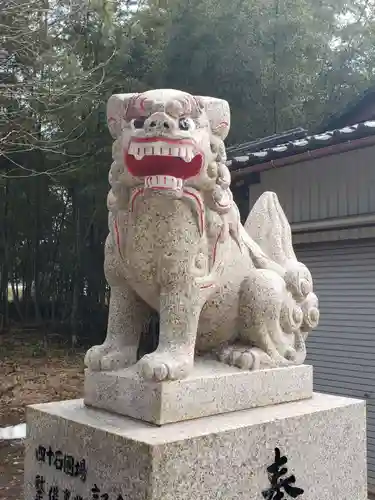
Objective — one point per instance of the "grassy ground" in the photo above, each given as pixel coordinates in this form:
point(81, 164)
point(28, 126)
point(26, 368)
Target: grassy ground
point(31, 372)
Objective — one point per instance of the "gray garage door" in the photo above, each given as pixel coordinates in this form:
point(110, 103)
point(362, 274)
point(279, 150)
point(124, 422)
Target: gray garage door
point(342, 349)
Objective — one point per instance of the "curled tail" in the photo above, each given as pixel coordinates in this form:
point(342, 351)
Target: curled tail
point(269, 240)
point(268, 226)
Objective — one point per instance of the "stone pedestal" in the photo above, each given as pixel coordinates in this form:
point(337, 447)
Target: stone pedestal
point(211, 389)
point(75, 452)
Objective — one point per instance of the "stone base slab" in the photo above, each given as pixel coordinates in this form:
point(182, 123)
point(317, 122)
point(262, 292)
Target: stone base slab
point(211, 389)
point(80, 452)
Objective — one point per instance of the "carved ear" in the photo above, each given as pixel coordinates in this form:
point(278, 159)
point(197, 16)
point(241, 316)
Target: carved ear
point(218, 113)
point(117, 107)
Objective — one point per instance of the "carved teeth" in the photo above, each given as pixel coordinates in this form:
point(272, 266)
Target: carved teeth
point(139, 154)
point(163, 182)
point(139, 150)
point(189, 155)
point(183, 153)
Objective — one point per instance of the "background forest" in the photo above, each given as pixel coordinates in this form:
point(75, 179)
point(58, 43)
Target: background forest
point(279, 63)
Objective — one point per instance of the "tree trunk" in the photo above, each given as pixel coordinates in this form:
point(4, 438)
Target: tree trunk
point(28, 279)
point(16, 299)
point(36, 249)
point(76, 281)
point(4, 322)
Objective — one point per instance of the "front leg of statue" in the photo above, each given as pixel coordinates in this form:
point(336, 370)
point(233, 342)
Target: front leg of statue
point(128, 315)
point(174, 357)
point(180, 305)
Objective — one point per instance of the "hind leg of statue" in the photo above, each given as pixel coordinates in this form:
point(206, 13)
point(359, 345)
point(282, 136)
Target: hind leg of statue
point(261, 343)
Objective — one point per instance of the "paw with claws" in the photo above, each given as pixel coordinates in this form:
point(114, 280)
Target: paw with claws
point(160, 365)
point(108, 357)
point(249, 358)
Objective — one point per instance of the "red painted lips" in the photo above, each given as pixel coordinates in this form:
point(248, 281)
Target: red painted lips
point(162, 156)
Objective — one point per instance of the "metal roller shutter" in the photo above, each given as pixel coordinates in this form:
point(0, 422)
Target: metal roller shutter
point(342, 349)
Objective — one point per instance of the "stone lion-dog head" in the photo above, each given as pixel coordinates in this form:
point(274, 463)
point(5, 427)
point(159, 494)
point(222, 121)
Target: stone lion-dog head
point(168, 140)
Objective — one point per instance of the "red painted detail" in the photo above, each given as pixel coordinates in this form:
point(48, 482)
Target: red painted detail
point(151, 165)
point(207, 286)
point(196, 197)
point(134, 196)
point(187, 192)
point(222, 205)
point(117, 237)
point(214, 257)
point(215, 248)
point(131, 111)
point(187, 105)
point(142, 103)
point(157, 188)
point(198, 103)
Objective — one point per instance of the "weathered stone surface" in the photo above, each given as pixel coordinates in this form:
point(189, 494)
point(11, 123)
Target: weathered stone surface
point(212, 388)
point(177, 246)
point(220, 457)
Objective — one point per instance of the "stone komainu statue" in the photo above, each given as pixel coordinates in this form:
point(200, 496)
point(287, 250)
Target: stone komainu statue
point(176, 246)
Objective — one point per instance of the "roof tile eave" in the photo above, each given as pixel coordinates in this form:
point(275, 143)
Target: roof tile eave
point(299, 146)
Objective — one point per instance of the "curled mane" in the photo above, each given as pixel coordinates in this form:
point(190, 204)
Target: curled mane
point(219, 198)
point(119, 194)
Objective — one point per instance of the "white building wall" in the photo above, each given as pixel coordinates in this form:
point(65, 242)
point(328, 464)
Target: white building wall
point(334, 186)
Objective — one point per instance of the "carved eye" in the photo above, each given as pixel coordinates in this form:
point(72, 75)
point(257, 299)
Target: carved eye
point(138, 122)
point(185, 123)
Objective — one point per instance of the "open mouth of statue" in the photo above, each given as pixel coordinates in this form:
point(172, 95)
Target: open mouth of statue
point(162, 160)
